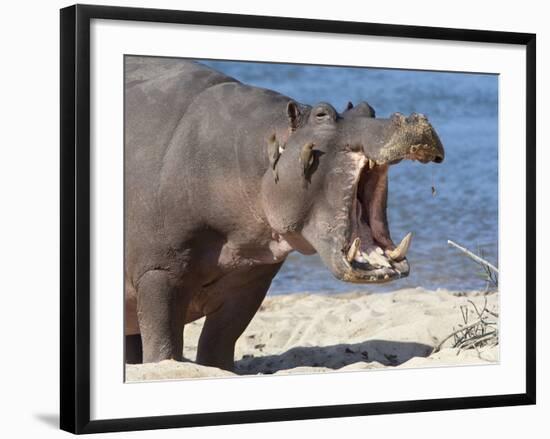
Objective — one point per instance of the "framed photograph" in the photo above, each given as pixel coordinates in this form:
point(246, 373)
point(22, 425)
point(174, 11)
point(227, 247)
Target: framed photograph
point(275, 218)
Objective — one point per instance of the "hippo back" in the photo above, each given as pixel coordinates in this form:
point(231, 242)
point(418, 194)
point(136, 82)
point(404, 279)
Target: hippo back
point(158, 92)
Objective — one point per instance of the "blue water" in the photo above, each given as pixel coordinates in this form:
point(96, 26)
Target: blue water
point(463, 108)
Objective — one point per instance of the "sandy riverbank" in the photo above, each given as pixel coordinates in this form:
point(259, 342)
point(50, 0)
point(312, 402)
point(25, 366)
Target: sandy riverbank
point(306, 333)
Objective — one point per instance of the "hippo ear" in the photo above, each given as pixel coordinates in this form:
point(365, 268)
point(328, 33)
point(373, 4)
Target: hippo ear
point(293, 112)
point(367, 110)
point(349, 106)
point(364, 109)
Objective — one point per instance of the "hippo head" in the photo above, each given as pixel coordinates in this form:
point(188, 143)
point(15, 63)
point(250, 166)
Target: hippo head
point(331, 186)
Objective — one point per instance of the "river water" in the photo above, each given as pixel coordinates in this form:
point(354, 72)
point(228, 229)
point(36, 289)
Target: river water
point(463, 108)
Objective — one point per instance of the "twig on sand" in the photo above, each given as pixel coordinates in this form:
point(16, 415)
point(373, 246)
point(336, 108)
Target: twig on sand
point(475, 257)
point(483, 332)
point(490, 272)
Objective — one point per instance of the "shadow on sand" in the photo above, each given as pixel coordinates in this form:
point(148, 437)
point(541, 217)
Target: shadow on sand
point(388, 353)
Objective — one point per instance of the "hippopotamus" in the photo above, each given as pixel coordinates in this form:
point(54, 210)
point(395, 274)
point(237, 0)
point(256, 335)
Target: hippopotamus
point(223, 180)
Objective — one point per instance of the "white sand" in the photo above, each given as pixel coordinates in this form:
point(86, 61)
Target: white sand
point(306, 333)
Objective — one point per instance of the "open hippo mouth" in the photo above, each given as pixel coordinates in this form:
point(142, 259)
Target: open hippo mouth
point(339, 210)
point(369, 253)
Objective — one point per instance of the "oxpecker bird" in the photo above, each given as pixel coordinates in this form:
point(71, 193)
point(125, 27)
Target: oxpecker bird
point(274, 151)
point(306, 157)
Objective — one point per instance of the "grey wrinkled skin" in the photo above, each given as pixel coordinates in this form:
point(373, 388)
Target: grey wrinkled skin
point(208, 225)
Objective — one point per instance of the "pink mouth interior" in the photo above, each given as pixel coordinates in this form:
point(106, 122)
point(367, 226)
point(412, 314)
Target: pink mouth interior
point(368, 216)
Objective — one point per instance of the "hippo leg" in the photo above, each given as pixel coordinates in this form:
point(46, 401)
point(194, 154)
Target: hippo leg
point(161, 309)
point(134, 351)
point(223, 327)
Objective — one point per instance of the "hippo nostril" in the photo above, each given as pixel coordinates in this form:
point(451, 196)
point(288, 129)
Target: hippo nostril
point(438, 159)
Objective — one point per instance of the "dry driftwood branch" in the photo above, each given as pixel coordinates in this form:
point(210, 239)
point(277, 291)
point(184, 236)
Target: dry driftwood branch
point(473, 256)
point(477, 341)
point(457, 332)
point(478, 334)
point(475, 307)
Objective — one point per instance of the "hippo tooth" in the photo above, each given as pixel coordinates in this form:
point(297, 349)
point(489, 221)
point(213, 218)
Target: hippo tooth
point(354, 247)
point(375, 259)
point(281, 149)
point(399, 253)
point(379, 250)
point(386, 276)
point(372, 164)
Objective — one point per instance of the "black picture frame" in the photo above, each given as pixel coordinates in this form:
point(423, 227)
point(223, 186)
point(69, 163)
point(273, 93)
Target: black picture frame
point(75, 217)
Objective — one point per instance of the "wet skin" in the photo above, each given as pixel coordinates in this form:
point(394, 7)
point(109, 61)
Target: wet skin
point(224, 180)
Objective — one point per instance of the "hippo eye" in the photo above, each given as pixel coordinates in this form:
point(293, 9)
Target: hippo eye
point(322, 115)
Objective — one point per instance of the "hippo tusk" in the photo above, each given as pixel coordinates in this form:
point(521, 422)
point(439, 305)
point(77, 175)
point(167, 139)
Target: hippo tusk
point(353, 250)
point(399, 253)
